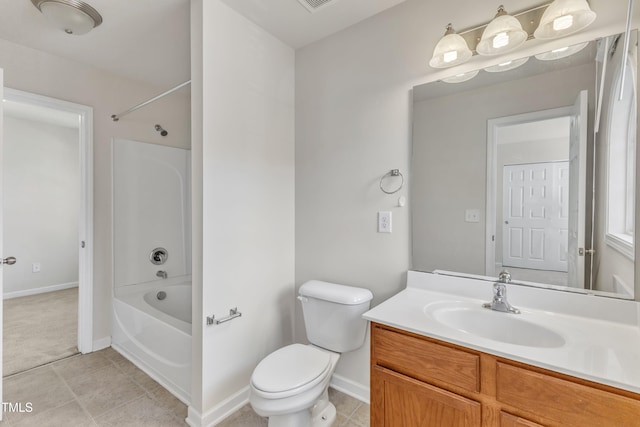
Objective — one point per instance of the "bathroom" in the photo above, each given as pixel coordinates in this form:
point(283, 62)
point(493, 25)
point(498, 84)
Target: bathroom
point(301, 202)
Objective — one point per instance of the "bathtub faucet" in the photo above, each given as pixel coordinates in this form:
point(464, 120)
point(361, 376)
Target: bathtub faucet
point(162, 273)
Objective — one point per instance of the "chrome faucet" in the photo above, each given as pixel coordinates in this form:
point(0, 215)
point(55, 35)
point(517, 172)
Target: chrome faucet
point(162, 273)
point(500, 302)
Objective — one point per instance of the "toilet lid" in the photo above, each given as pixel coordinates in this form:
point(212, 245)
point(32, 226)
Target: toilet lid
point(290, 367)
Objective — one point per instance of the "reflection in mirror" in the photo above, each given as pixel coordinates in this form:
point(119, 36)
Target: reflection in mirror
point(532, 170)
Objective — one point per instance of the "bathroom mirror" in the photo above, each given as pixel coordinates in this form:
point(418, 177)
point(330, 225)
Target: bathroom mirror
point(532, 170)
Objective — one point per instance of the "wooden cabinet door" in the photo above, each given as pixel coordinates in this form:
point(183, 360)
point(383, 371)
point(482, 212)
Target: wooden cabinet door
point(411, 403)
point(508, 420)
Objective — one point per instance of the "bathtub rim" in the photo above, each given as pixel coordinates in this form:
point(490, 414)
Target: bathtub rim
point(135, 299)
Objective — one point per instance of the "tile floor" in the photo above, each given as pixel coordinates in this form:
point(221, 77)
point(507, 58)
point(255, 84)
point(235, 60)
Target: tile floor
point(105, 389)
point(97, 389)
point(351, 413)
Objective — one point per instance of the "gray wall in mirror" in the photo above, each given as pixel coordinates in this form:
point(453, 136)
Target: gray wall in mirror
point(449, 165)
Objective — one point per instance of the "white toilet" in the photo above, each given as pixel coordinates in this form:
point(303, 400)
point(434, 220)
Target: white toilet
point(290, 385)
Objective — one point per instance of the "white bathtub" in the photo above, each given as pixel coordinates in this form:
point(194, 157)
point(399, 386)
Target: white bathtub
point(156, 334)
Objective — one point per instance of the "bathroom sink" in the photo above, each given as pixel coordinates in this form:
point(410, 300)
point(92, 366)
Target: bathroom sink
point(503, 327)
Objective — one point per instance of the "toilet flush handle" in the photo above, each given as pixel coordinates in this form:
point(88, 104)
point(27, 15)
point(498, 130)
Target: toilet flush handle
point(303, 299)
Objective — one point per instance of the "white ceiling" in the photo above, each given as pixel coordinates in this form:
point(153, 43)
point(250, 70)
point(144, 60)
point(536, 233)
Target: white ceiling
point(148, 40)
point(145, 40)
point(292, 23)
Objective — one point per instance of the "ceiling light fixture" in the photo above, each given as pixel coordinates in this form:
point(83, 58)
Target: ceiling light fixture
point(451, 50)
point(502, 35)
point(71, 16)
point(564, 17)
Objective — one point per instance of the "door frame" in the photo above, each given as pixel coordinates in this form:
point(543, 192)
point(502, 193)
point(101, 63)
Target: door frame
point(493, 125)
point(85, 219)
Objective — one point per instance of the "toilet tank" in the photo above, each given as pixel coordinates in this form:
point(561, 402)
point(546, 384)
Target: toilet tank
point(333, 314)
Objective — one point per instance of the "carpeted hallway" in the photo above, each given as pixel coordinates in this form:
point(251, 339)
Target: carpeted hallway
point(39, 329)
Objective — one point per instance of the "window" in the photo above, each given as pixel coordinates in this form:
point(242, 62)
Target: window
point(621, 170)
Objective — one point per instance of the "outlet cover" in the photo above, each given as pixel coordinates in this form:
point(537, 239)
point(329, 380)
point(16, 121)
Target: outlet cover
point(472, 215)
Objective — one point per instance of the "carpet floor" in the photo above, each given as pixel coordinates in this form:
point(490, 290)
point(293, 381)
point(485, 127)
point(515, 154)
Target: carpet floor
point(39, 329)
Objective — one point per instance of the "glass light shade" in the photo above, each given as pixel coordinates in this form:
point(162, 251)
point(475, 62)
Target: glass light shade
point(502, 35)
point(506, 66)
point(71, 16)
point(459, 78)
point(564, 17)
point(563, 52)
point(451, 50)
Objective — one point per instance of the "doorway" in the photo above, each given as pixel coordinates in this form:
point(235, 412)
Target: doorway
point(47, 220)
point(536, 197)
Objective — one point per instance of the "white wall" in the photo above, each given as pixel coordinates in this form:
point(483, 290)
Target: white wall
point(247, 118)
point(152, 208)
point(353, 121)
point(44, 74)
point(41, 199)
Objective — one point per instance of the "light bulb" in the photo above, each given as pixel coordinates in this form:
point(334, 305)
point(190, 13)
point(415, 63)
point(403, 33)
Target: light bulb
point(500, 40)
point(562, 22)
point(450, 56)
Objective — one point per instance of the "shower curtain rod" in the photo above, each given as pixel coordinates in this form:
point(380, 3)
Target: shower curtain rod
point(116, 117)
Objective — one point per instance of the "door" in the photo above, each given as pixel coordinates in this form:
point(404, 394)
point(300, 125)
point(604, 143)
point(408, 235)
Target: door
point(535, 215)
point(577, 192)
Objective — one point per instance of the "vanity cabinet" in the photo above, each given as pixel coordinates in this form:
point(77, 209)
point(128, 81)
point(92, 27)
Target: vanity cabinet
point(419, 381)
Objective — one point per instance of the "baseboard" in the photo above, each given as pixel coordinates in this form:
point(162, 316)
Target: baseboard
point(194, 418)
point(42, 290)
point(351, 388)
point(101, 343)
point(221, 411)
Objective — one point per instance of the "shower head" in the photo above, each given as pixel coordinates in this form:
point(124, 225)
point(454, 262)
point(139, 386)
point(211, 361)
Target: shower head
point(162, 131)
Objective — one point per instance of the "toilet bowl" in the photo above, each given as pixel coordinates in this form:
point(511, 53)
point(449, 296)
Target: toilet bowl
point(290, 385)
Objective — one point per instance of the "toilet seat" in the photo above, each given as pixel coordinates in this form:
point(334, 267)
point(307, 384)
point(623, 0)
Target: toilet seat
point(290, 370)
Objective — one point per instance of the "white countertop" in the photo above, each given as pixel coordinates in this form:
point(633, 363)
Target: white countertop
point(602, 335)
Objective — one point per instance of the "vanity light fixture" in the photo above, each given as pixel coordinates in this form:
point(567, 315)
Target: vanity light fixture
point(506, 32)
point(562, 52)
point(451, 50)
point(506, 66)
point(71, 16)
point(502, 35)
point(463, 77)
point(564, 17)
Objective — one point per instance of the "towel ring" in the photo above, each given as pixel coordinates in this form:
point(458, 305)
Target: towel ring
point(392, 172)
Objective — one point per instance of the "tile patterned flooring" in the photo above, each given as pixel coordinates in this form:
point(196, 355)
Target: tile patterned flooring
point(351, 413)
point(97, 389)
point(105, 389)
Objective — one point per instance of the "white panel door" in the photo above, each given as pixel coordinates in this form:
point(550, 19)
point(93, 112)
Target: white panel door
point(535, 213)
